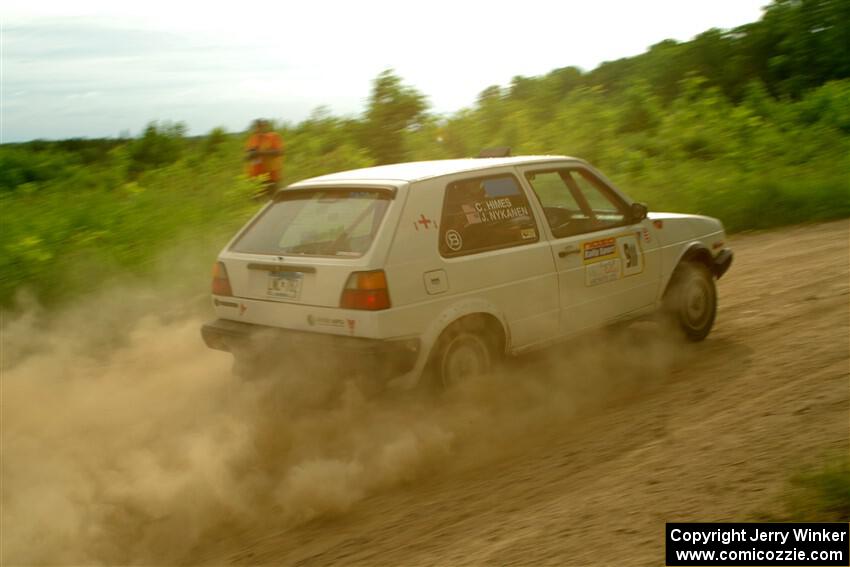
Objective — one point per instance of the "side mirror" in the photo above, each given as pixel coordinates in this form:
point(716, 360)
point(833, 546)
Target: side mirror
point(638, 211)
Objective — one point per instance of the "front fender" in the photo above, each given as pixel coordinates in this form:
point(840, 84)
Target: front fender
point(695, 250)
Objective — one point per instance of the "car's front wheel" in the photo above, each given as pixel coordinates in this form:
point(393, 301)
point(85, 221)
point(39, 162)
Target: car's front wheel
point(691, 300)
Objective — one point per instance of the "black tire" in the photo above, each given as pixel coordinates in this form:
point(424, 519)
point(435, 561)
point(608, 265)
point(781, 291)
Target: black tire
point(691, 300)
point(464, 350)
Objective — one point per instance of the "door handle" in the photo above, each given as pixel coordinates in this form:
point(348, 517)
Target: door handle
point(567, 250)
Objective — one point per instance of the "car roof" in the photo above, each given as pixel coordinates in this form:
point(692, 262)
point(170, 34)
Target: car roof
point(419, 170)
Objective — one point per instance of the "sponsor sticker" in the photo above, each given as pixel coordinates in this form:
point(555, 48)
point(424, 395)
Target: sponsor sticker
point(631, 254)
point(612, 258)
point(602, 272)
point(598, 250)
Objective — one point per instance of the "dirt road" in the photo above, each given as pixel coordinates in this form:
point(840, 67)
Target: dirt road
point(703, 433)
point(577, 456)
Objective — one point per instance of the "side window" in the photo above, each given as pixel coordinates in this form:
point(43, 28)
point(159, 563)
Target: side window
point(606, 206)
point(552, 190)
point(575, 201)
point(485, 213)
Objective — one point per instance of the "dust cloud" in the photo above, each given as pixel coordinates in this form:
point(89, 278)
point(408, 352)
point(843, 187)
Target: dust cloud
point(126, 440)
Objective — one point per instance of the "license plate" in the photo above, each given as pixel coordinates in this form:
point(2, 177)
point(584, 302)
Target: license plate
point(286, 285)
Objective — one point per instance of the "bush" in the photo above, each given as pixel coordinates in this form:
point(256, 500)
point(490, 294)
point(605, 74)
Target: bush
point(158, 146)
point(823, 494)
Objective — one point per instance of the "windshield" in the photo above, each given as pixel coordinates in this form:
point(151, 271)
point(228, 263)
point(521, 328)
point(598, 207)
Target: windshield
point(327, 222)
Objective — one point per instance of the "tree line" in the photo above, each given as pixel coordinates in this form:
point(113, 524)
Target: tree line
point(750, 125)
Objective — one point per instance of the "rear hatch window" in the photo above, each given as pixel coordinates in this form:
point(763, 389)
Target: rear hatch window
point(339, 222)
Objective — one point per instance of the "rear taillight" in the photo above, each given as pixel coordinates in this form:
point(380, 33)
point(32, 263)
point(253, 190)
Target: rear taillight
point(220, 281)
point(366, 290)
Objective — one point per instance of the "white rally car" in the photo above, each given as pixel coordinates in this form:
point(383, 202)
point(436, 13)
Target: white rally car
point(447, 265)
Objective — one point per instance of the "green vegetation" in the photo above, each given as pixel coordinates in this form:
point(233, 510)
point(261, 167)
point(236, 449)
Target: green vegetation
point(822, 494)
point(68, 234)
point(750, 125)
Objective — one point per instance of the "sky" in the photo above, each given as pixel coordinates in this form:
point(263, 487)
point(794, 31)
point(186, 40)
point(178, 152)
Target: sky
point(97, 68)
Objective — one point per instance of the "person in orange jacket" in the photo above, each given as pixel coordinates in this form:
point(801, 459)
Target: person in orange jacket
point(264, 154)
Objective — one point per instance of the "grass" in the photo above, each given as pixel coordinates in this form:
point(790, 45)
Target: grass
point(821, 494)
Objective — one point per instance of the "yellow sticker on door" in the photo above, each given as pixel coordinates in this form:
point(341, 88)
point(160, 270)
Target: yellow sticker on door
point(598, 250)
point(612, 258)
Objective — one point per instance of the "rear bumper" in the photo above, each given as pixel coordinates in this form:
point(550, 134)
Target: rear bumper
point(260, 342)
point(722, 262)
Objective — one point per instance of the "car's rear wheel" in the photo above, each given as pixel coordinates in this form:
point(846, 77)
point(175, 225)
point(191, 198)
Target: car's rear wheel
point(691, 300)
point(464, 351)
